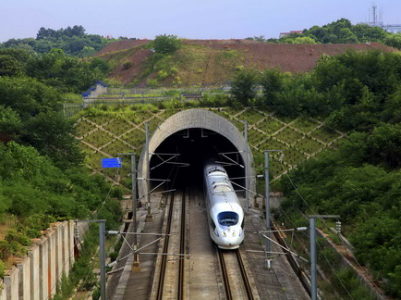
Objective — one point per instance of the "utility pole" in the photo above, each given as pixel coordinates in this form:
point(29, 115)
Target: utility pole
point(246, 166)
point(267, 187)
point(102, 253)
point(313, 257)
point(267, 191)
point(313, 253)
point(102, 230)
point(147, 175)
point(134, 199)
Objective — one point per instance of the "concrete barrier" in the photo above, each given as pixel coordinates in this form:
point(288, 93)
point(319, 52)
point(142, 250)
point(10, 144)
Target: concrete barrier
point(36, 276)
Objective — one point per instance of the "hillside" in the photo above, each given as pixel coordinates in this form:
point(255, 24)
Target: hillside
point(212, 62)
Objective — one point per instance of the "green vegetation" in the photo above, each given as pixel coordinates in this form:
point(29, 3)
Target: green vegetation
point(72, 40)
point(244, 86)
point(166, 44)
point(360, 182)
point(53, 69)
point(338, 32)
point(42, 173)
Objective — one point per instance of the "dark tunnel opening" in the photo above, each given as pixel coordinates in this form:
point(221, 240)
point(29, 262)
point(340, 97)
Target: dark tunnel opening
point(195, 147)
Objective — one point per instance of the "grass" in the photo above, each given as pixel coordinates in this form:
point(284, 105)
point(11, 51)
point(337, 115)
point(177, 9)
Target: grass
point(71, 97)
point(304, 124)
point(325, 134)
point(6, 223)
point(117, 126)
point(115, 147)
point(98, 138)
point(293, 157)
point(272, 143)
point(254, 137)
point(308, 145)
point(289, 135)
point(270, 125)
point(83, 127)
point(251, 116)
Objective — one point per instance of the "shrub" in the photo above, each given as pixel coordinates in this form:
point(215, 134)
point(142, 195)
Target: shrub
point(243, 86)
point(127, 65)
point(117, 192)
point(2, 268)
point(18, 237)
point(166, 44)
point(5, 250)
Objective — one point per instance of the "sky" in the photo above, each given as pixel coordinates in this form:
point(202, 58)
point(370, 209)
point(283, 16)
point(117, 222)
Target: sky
point(191, 19)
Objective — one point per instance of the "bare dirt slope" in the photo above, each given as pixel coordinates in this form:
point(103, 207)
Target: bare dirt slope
point(205, 62)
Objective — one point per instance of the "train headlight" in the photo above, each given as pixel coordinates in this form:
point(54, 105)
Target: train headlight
point(234, 233)
point(224, 234)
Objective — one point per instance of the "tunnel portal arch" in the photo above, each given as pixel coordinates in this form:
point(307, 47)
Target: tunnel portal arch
point(197, 119)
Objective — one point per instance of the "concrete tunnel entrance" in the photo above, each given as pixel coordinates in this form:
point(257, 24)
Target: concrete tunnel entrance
point(195, 136)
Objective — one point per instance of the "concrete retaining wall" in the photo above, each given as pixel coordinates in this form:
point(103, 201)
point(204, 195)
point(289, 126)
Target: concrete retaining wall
point(35, 277)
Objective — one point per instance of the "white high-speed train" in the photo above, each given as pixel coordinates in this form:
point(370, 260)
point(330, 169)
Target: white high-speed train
point(225, 214)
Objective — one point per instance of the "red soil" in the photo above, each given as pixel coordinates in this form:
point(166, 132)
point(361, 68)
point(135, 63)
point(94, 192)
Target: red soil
point(121, 45)
point(259, 55)
point(287, 57)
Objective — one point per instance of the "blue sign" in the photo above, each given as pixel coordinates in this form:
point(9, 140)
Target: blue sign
point(111, 162)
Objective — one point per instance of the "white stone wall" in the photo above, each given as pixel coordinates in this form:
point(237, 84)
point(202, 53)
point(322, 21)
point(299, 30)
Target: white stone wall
point(34, 267)
point(36, 276)
point(43, 268)
point(24, 279)
point(3, 292)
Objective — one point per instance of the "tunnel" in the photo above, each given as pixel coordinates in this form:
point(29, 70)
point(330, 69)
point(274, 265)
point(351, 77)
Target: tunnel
point(180, 146)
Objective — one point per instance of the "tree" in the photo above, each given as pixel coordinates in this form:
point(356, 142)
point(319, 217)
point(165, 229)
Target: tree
point(9, 66)
point(166, 44)
point(272, 82)
point(66, 73)
point(393, 40)
point(346, 36)
point(27, 96)
point(304, 40)
point(10, 123)
point(52, 134)
point(257, 38)
point(243, 86)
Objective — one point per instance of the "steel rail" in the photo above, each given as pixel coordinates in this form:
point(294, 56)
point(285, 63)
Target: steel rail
point(245, 278)
point(165, 250)
point(224, 273)
point(182, 251)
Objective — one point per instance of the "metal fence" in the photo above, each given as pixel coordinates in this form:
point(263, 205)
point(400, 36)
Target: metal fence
point(71, 109)
point(117, 97)
point(161, 90)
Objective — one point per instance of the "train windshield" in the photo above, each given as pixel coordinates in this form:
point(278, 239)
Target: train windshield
point(221, 187)
point(227, 218)
point(216, 169)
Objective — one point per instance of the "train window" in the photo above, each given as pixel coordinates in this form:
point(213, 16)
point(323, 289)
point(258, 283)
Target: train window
point(227, 218)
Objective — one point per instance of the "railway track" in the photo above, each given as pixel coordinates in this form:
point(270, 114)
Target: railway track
point(182, 250)
point(172, 275)
point(235, 278)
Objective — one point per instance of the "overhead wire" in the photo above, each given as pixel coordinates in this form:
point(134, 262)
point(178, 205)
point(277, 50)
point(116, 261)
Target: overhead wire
point(327, 226)
point(95, 215)
point(323, 221)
